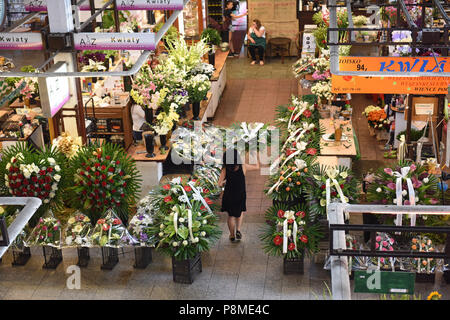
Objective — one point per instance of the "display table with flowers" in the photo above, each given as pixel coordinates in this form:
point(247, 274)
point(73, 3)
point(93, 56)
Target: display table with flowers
point(345, 150)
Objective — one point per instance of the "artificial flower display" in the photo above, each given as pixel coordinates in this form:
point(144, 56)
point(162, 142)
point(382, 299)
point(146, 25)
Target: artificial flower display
point(289, 232)
point(185, 230)
point(47, 232)
point(109, 231)
point(328, 185)
point(104, 177)
point(29, 173)
point(77, 231)
point(405, 183)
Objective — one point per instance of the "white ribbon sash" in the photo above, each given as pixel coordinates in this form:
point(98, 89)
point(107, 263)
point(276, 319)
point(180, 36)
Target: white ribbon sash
point(331, 179)
point(198, 196)
point(399, 189)
point(285, 241)
point(190, 225)
point(175, 221)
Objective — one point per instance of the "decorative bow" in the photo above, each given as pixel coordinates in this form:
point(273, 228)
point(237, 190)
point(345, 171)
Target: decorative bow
point(332, 173)
point(403, 174)
point(288, 216)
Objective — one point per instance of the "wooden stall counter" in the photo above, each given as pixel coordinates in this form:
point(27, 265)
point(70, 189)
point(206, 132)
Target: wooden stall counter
point(343, 149)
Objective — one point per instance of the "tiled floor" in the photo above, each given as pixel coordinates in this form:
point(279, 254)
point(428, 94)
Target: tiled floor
point(230, 270)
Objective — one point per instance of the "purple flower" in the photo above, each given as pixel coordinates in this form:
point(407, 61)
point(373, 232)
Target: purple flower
point(388, 171)
point(391, 185)
point(141, 217)
point(143, 236)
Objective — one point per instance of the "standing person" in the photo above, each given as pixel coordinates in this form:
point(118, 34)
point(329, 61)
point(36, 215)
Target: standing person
point(138, 116)
point(257, 36)
point(234, 197)
point(230, 14)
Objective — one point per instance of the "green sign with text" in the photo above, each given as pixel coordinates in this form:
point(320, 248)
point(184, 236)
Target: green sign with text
point(375, 281)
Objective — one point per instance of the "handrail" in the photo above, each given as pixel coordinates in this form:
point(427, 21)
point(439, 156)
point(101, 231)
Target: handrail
point(16, 227)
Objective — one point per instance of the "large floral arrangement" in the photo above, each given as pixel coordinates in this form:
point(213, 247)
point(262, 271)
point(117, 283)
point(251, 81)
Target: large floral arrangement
point(29, 173)
point(104, 177)
point(420, 265)
point(322, 89)
point(383, 188)
point(110, 232)
point(184, 231)
point(289, 232)
point(47, 232)
point(337, 184)
point(197, 87)
point(67, 144)
point(77, 230)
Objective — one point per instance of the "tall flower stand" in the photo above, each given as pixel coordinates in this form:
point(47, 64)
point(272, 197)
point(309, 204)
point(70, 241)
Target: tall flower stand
point(143, 257)
point(294, 266)
point(83, 257)
point(183, 270)
point(21, 257)
point(110, 257)
point(52, 257)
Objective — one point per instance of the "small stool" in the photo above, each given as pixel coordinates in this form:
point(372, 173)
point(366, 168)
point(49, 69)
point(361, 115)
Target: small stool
point(280, 45)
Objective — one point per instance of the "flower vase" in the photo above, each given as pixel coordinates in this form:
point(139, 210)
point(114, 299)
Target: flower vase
point(212, 56)
point(163, 139)
point(143, 257)
point(294, 265)
point(196, 110)
point(148, 115)
point(149, 145)
point(33, 100)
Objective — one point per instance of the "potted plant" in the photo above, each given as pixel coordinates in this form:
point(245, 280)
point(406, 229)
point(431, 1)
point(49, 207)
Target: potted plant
point(291, 234)
point(212, 38)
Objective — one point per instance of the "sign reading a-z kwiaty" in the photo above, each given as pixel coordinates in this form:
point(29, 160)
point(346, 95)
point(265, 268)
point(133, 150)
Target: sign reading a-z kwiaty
point(114, 41)
point(41, 5)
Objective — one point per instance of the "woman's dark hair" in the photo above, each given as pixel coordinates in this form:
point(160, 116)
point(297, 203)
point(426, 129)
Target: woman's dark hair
point(258, 23)
point(231, 160)
point(235, 4)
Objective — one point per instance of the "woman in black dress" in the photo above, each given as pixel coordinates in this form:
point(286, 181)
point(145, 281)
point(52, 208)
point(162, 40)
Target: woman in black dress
point(234, 197)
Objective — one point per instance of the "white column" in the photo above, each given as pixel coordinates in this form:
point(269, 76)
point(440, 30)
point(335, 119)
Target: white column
point(60, 16)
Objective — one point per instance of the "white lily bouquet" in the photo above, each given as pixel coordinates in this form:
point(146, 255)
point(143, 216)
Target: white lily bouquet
point(77, 231)
point(198, 86)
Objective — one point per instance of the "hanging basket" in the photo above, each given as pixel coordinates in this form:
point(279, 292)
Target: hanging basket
point(110, 257)
point(184, 270)
point(52, 257)
point(143, 257)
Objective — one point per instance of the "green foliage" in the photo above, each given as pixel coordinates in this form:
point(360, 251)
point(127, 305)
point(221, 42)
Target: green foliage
point(210, 35)
point(108, 19)
point(171, 34)
point(415, 134)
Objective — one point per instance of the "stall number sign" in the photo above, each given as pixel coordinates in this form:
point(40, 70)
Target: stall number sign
point(41, 5)
point(114, 41)
point(309, 43)
point(384, 282)
point(55, 91)
point(21, 41)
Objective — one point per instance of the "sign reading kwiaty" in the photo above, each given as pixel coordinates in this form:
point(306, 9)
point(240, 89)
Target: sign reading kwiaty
point(21, 41)
point(114, 41)
point(41, 5)
point(54, 91)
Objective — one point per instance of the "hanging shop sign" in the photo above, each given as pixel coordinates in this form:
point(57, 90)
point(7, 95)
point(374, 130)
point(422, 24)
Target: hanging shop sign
point(392, 85)
point(54, 91)
point(41, 5)
point(21, 41)
point(395, 64)
point(114, 41)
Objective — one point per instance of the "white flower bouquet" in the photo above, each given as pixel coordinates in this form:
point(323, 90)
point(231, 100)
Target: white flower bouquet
point(322, 89)
point(198, 86)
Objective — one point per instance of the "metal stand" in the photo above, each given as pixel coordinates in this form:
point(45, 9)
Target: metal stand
point(52, 257)
point(20, 258)
point(143, 257)
point(110, 257)
point(83, 257)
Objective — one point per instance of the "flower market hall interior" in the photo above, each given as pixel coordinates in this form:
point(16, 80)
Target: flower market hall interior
point(224, 150)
